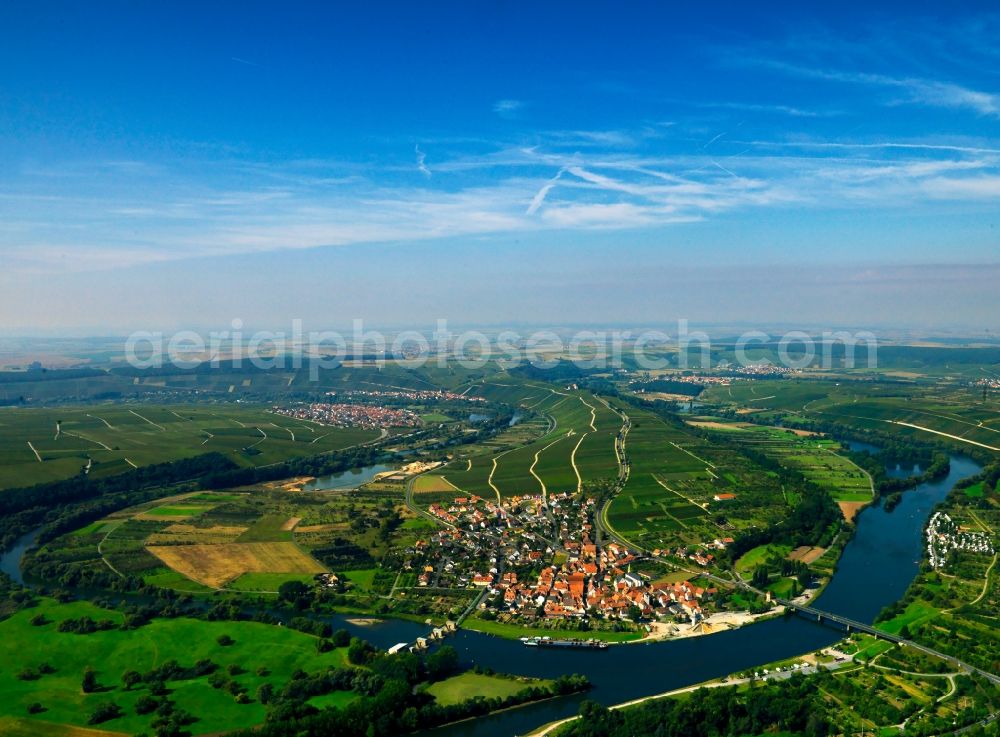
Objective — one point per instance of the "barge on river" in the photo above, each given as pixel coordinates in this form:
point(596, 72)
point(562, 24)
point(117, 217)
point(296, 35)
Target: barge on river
point(549, 642)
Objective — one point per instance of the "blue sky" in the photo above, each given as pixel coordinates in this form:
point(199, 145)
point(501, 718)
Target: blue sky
point(175, 165)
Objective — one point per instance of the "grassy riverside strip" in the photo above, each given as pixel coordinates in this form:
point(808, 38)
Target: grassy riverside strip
point(515, 632)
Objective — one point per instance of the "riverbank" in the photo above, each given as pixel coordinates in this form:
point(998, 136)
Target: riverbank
point(514, 632)
point(876, 565)
point(711, 625)
point(811, 664)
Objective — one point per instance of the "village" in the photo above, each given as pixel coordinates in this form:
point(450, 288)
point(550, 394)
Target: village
point(537, 559)
point(944, 535)
point(367, 416)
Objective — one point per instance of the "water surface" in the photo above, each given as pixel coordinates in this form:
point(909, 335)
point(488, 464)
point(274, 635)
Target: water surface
point(347, 479)
point(875, 570)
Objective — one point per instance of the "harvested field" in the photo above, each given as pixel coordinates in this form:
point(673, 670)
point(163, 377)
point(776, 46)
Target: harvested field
point(321, 528)
point(173, 511)
point(806, 554)
point(431, 484)
point(290, 523)
point(802, 433)
point(214, 565)
point(717, 425)
point(851, 509)
point(190, 535)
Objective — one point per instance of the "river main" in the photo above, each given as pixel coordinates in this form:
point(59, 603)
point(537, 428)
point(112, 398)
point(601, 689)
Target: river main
point(875, 569)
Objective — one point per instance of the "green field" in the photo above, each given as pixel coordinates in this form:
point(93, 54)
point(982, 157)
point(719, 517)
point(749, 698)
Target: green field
point(915, 614)
point(267, 529)
point(116, 438)
point(264, 582)
point(177, 510)
point(758, 556)
point(466, 685)
point(110, 653)
point(814, 457)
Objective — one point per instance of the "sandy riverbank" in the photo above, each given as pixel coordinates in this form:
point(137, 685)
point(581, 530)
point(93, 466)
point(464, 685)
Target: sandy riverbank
point(719, 622)
point(363, 621)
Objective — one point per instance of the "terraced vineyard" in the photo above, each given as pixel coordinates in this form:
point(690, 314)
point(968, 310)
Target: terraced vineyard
point(569, 441)
point(41, 445)
point(957, 415)
point(813, 457)
point(684, 490)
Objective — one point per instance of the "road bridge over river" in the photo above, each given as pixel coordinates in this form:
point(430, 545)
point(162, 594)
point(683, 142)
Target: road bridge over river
point(829, 618)
point(854, 625)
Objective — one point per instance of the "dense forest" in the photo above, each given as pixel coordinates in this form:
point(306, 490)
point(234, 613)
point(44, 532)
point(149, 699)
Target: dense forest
point(668, 386)
point(795, 706)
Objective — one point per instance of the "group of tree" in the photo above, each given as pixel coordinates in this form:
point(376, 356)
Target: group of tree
point(935, 464)
point(391, 702)
point(812, 521)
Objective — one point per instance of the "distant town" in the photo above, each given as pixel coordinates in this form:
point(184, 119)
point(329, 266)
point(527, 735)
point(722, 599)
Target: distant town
point(409, 395)
point(369, 416)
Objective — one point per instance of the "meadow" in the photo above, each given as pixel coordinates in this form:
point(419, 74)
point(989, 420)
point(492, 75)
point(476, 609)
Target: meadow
point(459, 688)
point(264, 653)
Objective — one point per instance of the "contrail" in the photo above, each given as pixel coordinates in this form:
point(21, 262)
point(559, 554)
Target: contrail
point(714, 140)
point(421, 157)
point(541, 194)
point(716, 163)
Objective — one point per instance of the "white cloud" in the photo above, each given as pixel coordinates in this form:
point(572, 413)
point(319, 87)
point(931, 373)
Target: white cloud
point(928, 92)
point(143, 214)
point(984, 187)
point(507, 108)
